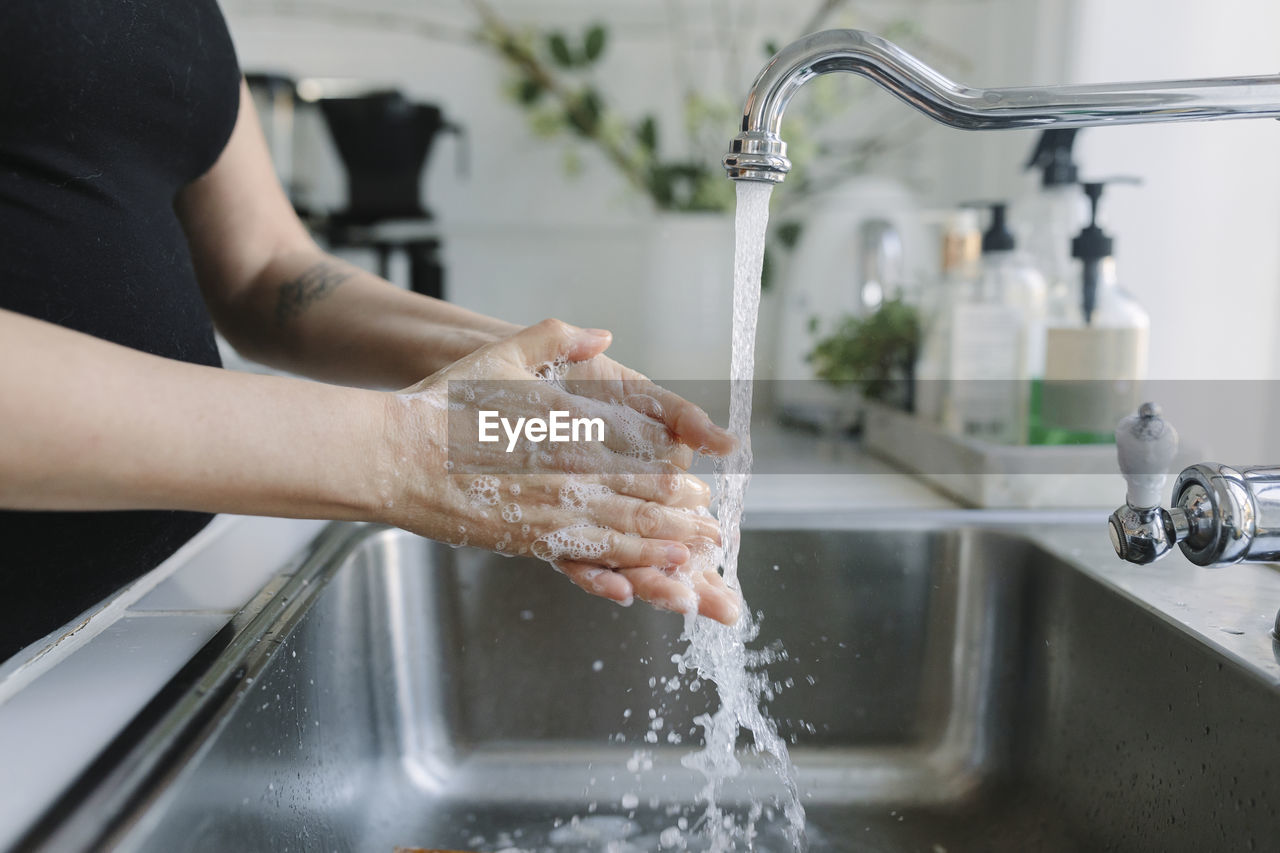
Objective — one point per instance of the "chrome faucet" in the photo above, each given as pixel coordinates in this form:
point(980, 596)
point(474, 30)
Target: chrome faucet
point(759, 154)
point(1219, 514)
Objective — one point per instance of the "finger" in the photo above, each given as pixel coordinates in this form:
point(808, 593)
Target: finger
point(663, 591)
point(687, 421)
point(597, 581)
point(620, 430)
point(652, 520)
point(703, 592)
point(606, 380)
point(608, 548)
point(661, 481)
point(693, 425)
point(680, 455)
point(715, 599)
point(674, 488)
point(554, 339)
point(664, 484)
point(631, 432)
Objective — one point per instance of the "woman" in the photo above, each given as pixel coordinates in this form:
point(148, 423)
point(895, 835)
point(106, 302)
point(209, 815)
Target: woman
point(138, 208)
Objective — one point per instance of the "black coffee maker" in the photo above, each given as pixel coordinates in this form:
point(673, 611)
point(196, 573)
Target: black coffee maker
point(385, 140)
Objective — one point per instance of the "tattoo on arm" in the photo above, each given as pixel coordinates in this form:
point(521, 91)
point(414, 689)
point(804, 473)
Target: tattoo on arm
point(313, 284)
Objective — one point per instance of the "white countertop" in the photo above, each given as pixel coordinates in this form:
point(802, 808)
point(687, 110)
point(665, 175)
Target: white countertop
point(798, 471)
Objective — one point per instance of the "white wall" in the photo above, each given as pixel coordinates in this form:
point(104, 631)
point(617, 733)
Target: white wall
point(524, 241)
point(1197, 244)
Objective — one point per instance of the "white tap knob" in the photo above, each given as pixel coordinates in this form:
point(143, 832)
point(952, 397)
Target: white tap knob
point(1145, 446)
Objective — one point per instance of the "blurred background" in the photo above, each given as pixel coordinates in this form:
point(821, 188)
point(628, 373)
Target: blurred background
point(574, 167)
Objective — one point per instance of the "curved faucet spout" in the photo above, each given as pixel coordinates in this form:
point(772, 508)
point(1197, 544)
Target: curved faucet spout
point(759, 154)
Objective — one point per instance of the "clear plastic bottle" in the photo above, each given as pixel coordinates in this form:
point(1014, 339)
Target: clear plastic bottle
point(1047, 218)
point(997, 338)
point(958, 274)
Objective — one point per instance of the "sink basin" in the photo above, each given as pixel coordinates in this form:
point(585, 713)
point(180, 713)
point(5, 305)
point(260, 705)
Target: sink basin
point(947, 687)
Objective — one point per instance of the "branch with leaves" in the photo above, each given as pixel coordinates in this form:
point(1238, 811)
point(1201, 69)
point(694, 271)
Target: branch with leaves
point(553, 83)
point(875, 353)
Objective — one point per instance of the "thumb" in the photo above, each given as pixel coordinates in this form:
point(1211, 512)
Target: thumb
point(555, 339)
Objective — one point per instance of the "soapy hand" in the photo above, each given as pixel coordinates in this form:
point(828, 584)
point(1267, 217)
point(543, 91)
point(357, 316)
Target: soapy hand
point(619, 516)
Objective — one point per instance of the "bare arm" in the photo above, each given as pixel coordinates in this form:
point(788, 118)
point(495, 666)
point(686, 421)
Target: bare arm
point(86, 424)
point(89, 424)
point(279, 299)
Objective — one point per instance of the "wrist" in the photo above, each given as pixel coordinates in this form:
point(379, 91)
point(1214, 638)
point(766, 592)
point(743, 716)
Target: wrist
point(399, 489)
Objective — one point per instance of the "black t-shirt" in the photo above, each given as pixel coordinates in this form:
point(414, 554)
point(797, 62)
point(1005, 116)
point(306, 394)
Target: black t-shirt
point(107, 109)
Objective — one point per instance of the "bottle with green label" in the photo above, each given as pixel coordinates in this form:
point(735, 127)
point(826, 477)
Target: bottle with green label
point(1096, 352)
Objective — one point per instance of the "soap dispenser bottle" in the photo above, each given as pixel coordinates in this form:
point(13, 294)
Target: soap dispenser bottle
point(997, 342)
point(961, 251)
point(1096, 356)
point(1051, 214)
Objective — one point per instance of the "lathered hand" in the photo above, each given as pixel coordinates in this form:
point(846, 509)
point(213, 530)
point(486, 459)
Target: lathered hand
point(619, 516)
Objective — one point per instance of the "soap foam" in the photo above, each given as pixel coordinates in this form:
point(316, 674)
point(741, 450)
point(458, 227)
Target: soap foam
point(483, 491)
point(572, 543)
point(575, 494)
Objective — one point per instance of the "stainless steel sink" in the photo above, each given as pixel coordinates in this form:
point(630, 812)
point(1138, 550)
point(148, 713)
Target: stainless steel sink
point(954, 687)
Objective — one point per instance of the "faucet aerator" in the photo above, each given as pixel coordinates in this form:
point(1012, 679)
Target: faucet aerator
point(756, 156)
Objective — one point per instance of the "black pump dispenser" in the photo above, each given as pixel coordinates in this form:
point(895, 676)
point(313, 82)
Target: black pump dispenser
point(1053, 156)
point(997, 237)
point(1091, 245)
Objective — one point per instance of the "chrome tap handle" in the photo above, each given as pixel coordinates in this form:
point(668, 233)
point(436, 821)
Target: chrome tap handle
point(1218, 515)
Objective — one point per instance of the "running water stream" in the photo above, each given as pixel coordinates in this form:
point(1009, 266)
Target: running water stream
point(719, 653)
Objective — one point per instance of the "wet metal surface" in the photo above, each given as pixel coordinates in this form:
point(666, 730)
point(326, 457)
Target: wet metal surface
point(954, 687)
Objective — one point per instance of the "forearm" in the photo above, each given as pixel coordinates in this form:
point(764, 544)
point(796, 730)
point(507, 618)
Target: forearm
point(280, 300)
point(87, 425)
point(313, 314)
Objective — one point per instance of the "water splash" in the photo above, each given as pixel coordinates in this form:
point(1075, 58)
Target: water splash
point(719, 653)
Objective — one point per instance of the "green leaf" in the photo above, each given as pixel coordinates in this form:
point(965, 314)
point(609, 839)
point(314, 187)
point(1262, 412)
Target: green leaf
point(572, 163)
point(594, 42)
point(585, 117)
point(528, 92)
point(647, 134)
point(659, 183)
point(559, 48)
point(788, 233)
point(876, 352)
point(546, 122)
